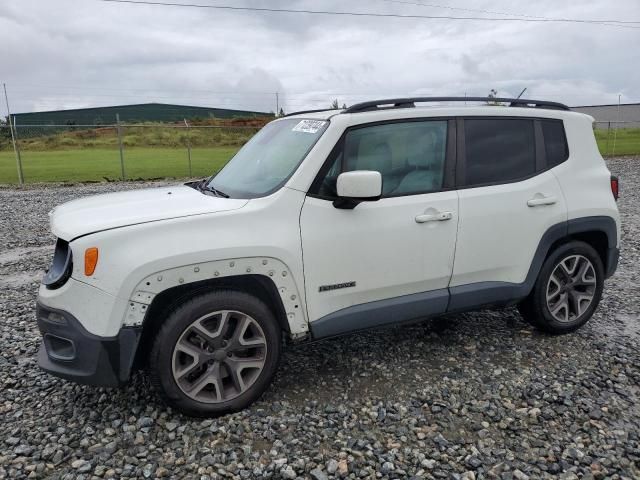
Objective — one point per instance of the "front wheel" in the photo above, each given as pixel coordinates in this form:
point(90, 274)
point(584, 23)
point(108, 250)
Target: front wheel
point(567, 291)
point(216, 353)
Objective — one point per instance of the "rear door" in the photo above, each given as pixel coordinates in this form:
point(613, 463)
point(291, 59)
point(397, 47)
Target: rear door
point(508, 200)
point(391, 248)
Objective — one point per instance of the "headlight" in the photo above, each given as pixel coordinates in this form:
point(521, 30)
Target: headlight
point(61, 266)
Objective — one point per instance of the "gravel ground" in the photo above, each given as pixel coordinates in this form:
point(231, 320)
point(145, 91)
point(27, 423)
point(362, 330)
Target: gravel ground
point(479, 395)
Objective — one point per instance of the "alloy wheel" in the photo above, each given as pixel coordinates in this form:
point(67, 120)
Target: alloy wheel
point(219, 356)
point(571, 288)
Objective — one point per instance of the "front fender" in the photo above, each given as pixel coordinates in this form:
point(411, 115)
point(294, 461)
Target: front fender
point(201, 247)
point(271, 268)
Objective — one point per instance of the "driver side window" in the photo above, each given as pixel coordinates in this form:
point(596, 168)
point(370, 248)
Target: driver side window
point(410, 156)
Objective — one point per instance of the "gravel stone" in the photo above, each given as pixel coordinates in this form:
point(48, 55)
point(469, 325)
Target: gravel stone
point(332, 466)
point(387, 467)
point(171, 426)
point(474, 462)
point(23, 450)
point(475, 395)
point(318, 474)
point(145, 422)
point(518, 475)
point(428, 464)
point(288, 473)
point(81, 466)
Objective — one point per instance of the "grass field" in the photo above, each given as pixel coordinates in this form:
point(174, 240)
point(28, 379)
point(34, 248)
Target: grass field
point(101, 164)
point(627, 141)
point(164, 157)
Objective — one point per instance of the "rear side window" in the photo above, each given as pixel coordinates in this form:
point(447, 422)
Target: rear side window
point(555, 142)
point(498, 150)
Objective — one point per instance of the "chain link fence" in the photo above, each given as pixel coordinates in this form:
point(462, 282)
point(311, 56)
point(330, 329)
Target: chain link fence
point(618, 137)
point(71, 153)
point(84, 153)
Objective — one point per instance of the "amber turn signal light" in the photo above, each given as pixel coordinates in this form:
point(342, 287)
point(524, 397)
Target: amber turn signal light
point(90, 261)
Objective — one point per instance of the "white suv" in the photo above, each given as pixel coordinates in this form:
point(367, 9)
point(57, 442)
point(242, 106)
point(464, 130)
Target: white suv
point(324, 223)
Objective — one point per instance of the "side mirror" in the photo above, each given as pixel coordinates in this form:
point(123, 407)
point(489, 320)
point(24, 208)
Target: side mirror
point(355, 187)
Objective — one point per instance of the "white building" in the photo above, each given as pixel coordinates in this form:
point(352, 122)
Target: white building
point(607, 116)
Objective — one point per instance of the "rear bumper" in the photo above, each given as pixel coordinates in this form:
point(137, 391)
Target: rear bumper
point(613, 255)
point(69, 351)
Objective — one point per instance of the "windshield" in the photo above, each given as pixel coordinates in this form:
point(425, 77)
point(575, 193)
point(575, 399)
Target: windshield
point(267, 161)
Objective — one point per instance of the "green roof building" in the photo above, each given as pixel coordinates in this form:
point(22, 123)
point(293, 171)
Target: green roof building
point(145, 112)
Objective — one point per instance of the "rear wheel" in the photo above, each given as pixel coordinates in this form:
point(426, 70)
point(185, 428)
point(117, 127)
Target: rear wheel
point(216, 354)
point(567, 291)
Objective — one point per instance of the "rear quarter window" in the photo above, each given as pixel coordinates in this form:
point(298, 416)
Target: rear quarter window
point(555, 142)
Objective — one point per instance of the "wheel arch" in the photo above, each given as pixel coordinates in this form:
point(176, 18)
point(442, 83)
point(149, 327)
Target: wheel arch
point(269, 279)
point(168, 300)
point(595, 238)
point(600, 232)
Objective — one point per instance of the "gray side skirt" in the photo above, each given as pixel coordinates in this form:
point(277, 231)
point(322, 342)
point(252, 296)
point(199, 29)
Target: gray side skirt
point(381, 312)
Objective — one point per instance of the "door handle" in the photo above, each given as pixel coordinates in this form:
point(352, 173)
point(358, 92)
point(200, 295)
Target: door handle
point(434, 217)
point(540, 200)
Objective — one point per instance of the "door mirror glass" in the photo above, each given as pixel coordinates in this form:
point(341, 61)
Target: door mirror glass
point(360, 185)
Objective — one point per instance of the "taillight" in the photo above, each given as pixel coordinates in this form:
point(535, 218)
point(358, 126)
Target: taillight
point(615, 186)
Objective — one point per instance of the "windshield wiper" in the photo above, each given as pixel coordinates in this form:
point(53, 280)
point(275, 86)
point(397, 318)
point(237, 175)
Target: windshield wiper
point(218, 192)
point(204, 187)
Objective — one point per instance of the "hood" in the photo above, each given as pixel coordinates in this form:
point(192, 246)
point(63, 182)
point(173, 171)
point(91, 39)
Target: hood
point(114, 210)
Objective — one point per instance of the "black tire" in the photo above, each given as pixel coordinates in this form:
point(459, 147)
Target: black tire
point(535, 308)
point(161, 361)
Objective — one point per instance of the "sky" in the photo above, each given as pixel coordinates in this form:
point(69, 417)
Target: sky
point(57, 54)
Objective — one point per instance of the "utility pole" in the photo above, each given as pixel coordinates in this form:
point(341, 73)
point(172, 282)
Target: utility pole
point(277, 103)
point(16, 150)
point(615, 130)
point(188, 146)
point(120, 145)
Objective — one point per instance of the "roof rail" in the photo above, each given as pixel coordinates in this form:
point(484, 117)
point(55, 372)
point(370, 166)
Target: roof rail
point(309, 111)
point(410, 103)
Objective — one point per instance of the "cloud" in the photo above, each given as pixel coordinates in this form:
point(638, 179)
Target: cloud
point(470, 66)
point(73, 53)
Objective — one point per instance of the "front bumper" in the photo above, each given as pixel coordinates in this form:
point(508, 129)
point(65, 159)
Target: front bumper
point(69, 351)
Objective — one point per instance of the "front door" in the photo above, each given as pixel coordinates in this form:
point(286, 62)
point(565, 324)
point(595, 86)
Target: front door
point(377, 260)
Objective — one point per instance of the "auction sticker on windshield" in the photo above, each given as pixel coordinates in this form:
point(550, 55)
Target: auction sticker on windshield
point(309, 126)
